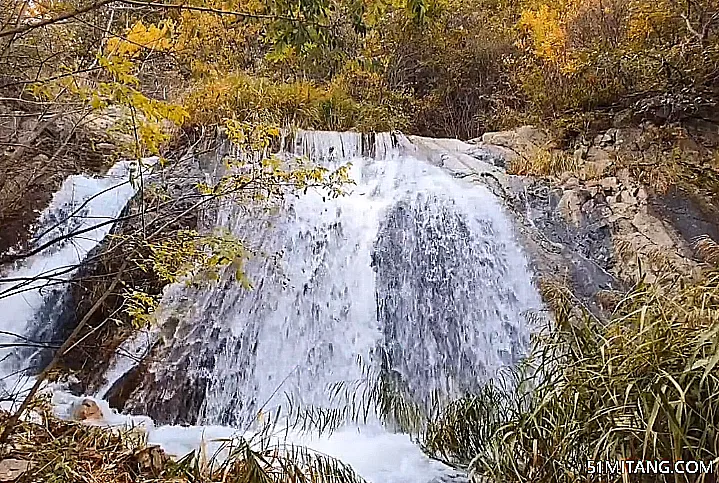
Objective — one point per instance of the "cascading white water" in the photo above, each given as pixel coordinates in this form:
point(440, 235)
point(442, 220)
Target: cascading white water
point(414, 272)
point(79, 217)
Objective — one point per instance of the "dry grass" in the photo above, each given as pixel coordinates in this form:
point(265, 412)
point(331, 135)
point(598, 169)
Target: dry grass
point(645, 386)
point(64, 451)
point(545, 162)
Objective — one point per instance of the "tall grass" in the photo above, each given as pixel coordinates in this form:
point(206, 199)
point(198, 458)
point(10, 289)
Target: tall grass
point(299, 103)
point(643, 386)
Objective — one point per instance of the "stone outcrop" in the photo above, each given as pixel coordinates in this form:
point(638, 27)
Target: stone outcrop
point(602, 198)
point(12, 469)
point(506, 146)
point(597, 225)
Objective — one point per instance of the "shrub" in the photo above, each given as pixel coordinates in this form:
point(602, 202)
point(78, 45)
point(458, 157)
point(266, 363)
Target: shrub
point(302, 104)
point(643, 385)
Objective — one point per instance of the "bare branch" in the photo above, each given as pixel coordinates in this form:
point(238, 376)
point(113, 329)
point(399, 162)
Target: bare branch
point(59, 18)
point(221, 12)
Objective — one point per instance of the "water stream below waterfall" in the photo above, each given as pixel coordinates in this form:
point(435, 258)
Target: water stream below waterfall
point(414, 273)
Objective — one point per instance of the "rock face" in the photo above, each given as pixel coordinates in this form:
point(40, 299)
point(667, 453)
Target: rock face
point(597, 226)
point(629, 228)
point(13, 469)
point(518, 142)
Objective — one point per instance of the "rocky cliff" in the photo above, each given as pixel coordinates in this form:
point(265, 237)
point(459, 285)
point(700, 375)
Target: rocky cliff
point(603, 212)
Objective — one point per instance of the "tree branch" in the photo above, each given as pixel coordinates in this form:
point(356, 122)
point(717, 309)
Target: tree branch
point(10, 424)
point(140, 3)
point(59, 18)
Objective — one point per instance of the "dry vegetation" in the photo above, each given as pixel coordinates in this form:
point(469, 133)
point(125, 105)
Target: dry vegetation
point(83, 83)
point(49, 450)
point(642, 386)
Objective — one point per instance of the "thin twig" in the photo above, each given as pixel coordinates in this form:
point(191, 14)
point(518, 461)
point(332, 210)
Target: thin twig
point(12, 421)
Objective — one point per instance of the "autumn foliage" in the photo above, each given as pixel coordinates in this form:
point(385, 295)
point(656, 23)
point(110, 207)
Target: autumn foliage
point(439, 67)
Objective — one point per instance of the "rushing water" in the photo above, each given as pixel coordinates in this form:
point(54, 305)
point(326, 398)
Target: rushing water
point(414, 273)
point(79, 217)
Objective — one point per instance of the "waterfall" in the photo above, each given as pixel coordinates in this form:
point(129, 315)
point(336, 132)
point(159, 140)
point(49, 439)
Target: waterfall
point(32, 291)
point(414, 274)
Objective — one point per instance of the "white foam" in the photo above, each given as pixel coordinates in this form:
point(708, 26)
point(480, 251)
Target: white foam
point(84, 206)
point(375, 454)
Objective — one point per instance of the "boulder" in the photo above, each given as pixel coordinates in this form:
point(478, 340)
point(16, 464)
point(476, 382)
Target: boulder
point(595, 153)
point(87, 410)
point(653, 229)
point(609, 184)
point(12, 469)
point(625, 196)
point(522, 141)
point(571, 183)
point(150, 460)
point(606, 139)
point(619, 209)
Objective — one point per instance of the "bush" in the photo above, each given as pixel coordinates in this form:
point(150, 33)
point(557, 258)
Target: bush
point(301, 104)
point(642, 386)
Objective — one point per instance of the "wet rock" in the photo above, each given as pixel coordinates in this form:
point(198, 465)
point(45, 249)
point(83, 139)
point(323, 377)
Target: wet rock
point(454, 477)
point(495, 155)
point(150, 460)
point(588, 207)
point(562, 239)
point(87, 410)
point(12, 469)
point(601, 214)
